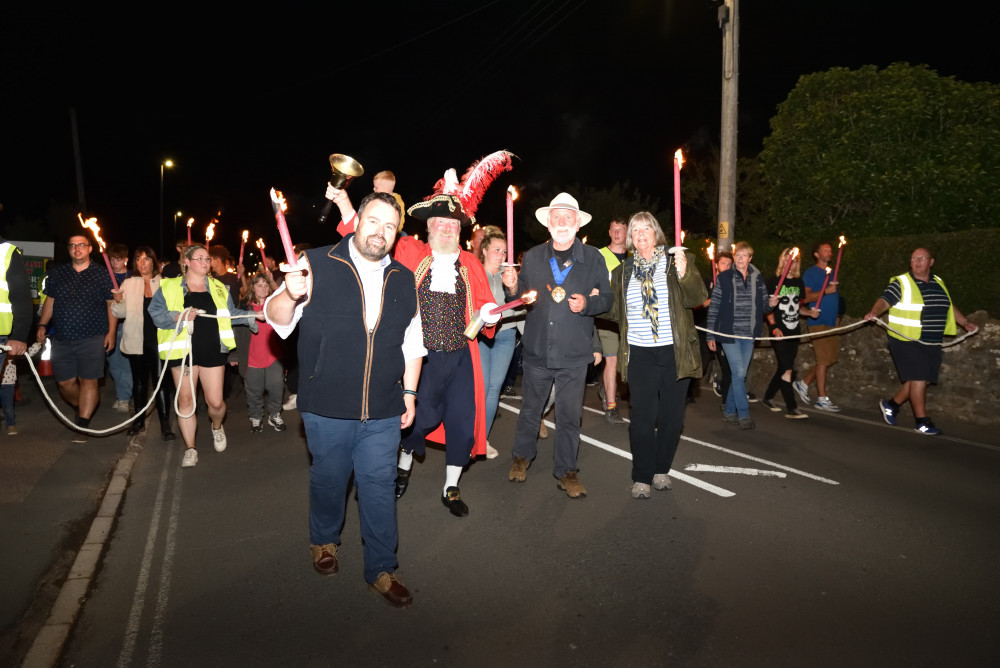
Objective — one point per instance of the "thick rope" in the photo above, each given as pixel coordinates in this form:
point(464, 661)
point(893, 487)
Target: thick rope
point(181, 322)
point(842, 328)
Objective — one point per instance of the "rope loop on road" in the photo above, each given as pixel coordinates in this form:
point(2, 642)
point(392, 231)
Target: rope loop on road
point(181, 322)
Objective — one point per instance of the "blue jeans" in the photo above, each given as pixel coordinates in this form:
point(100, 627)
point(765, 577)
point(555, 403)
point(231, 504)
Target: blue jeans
point(738, 353)
point(7, 400)
point(121, 371)
point(369, 449)
point(494, 355)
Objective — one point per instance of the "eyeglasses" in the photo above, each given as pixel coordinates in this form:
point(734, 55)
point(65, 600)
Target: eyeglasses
point(83, 245)
point(201, 259)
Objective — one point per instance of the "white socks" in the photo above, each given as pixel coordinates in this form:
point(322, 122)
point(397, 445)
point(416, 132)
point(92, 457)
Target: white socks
point(405, 460)
point(451, 476)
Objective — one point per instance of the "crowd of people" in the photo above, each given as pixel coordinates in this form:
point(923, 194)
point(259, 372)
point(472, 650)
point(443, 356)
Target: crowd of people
point(401, 342)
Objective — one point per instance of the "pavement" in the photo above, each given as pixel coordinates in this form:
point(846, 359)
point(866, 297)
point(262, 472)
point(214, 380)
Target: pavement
point(59, 504)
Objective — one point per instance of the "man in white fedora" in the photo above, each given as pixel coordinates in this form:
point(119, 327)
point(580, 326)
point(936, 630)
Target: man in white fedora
point(571, 280)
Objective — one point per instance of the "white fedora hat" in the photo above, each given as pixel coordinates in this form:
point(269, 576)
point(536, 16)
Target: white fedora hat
point(562, 201)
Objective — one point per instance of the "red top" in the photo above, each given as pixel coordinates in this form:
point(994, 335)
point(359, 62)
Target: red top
point(265, 345)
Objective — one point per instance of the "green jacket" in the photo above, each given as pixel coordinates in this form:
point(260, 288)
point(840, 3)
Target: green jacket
point(683, 295)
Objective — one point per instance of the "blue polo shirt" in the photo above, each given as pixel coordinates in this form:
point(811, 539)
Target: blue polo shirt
point(80, 309)
point(813, 279)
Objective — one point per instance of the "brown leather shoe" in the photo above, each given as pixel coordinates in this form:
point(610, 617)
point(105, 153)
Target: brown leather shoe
point(325, 558)
point(574, 488)
point(392, 590)
point(519, 470)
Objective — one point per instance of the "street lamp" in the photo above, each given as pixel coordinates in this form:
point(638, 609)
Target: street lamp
point(163, 165)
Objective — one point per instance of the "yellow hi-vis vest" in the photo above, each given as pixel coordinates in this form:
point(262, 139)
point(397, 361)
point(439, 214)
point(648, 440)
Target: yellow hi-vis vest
point(6, 313)
point(905, 315)
point(173, 294)
point(610, 259)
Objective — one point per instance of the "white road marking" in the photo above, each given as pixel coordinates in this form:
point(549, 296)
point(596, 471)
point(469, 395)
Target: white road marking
point(708, 487)
point(166, 573)
point(139, 597)
point(761, 461)
point(708, 468)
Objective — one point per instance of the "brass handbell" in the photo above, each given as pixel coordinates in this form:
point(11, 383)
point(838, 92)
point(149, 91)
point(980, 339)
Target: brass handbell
point(344, 169)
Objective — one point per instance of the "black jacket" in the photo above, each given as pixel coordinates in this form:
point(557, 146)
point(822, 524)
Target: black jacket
point(555, 337)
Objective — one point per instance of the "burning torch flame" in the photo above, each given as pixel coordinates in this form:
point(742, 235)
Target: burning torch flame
point(278, 200)
point(794, 254)
point(190, 222)
point(683, 234)
point(843, 241)
point(529, 297)
point(584, 240)
point(711, 251)
point(679, 157)
point(260, 244)
point(828, 271)
point(513, 192)
point(246, 233)
point(210, 232)
point(91, 224)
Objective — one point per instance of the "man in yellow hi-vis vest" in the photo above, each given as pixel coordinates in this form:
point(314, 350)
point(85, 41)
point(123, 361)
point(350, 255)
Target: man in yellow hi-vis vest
point(921, 311)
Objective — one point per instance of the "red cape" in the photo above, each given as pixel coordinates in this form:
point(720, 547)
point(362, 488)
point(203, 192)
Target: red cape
point(415, 255)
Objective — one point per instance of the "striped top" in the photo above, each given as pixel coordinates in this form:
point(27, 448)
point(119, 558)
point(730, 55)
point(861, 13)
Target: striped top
point(640, 332)
point(934, 315)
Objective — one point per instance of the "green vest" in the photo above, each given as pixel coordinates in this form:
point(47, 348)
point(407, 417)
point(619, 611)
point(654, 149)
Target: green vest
point(6, 313)
point(173, 295)
point(905, 315)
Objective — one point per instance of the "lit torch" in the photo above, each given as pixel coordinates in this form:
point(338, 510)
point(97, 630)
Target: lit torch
point(279, 205)
point(209, 233)
point(822, 290)
point(711, 258)
point(678, 163)
point(526, 298)
point(190, 223)
point(91, 224)
point(511, 196)
point(243, 244)
point(840, 252)
point(263, 256)
point(788, 264)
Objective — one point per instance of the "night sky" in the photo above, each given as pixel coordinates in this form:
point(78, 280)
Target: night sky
point(583, 92)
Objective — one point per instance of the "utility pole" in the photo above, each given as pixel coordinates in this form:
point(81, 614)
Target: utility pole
point(730, 25)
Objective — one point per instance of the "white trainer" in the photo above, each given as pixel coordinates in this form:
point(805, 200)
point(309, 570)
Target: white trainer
point(219, 436)
point(190, 458)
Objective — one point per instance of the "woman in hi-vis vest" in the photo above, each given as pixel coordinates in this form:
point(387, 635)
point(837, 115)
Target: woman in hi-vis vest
point(209, 340)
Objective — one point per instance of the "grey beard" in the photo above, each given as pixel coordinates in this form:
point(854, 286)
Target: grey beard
point(369, 253)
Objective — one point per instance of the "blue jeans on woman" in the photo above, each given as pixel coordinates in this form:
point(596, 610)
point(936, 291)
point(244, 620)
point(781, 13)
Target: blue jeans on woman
point(738, 353)
point(494, 355)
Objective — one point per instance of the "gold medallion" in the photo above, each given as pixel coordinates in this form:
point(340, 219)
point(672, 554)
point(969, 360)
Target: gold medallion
point(558, 294)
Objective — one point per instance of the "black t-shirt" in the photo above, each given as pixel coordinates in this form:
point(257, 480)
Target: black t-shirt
point(786, 313)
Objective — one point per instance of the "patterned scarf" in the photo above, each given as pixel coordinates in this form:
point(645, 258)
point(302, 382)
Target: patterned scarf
point(644, 270)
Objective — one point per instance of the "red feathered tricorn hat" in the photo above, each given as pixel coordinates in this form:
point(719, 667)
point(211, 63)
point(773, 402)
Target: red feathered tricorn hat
point(460, 199)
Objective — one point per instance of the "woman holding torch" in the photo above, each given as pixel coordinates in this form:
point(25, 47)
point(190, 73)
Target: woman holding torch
point(785, 321)
point(654, 294)
point(209, 342)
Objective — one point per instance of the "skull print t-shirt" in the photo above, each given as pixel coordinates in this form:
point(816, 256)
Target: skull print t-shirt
point(786, 313)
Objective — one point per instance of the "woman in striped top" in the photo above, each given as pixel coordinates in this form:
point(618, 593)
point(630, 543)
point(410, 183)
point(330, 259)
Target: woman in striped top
point(654, 294)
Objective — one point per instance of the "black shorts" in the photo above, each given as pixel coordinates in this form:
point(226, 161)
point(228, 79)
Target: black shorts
point(83, 358)
point(915, 361)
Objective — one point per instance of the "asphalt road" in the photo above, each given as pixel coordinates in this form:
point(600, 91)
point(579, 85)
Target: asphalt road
point(826, 542)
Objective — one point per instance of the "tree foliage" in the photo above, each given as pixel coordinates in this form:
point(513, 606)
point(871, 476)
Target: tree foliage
point(872, 152)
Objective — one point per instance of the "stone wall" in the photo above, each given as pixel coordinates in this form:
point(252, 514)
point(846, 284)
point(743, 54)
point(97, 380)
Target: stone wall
point(967, 388)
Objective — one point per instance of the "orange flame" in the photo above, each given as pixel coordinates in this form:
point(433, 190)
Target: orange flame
point(260, 244)
point(278, 198)
point(210, 232)
point(843, 241)
point(794, 254)
point(529, 297)
point(91, 224)
point(679, 157)
point(190, 222)
point(513, 192)
point(711, 251)
point(584, 240)
point(246, 233)
point(683, 234)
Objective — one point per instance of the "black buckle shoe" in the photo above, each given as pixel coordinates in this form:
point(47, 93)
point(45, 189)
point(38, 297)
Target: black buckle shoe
point(453, 501)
